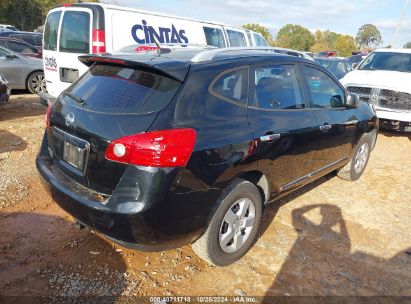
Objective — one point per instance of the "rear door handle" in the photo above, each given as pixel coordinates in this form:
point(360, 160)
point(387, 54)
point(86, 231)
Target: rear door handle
point(325, 127)
point(270, 137)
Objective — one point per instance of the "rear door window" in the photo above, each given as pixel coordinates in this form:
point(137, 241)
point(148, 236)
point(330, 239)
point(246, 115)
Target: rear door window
point(50, 31)
point(29, 39)
point(21, 47)
point(75, 32)
point(214, 36)
point(236, 38)
point(277, 88)
point(121, 90)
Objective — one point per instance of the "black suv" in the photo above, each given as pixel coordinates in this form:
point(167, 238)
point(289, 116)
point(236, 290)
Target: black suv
point(175, 146)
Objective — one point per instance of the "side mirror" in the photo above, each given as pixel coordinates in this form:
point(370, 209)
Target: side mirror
point(11, 56)
point(352, 100)
point(355, 65)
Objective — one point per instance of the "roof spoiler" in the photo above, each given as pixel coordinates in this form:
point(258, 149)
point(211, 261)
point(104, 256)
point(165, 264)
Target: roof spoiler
point(89, 60)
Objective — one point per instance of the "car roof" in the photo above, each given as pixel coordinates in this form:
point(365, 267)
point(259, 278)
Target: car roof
point(20, 32)
point(404, 51)
point(173, 62)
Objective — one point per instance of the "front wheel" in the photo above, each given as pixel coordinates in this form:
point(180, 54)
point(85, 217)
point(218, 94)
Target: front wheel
point(36, 82)
point(233, 225)
point(355, 168)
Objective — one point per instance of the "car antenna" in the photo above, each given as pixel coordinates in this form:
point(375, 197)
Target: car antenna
point(158, 45)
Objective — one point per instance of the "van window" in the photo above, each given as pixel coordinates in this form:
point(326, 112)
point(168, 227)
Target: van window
point(120, 90)
point(50, 31)
point(259, 41)
point(75, 32)
point(214, 36)
point(236, 38)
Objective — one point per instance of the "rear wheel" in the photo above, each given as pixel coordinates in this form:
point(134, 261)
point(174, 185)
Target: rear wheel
point(36, 82)
point(354, 169)
point(233, 226)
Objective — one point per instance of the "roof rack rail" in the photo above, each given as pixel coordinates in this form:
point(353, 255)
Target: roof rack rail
point(210, 54)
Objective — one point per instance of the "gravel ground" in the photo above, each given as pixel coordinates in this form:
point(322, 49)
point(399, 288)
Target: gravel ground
point(329, 238)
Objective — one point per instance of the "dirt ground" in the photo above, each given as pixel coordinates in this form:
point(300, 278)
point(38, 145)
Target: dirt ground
point(330, 238)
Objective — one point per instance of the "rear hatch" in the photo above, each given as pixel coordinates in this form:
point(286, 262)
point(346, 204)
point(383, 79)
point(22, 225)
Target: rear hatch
point(111, 100)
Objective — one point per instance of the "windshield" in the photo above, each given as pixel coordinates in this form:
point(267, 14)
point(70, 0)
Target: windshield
point(121, 90)
point(399, 62)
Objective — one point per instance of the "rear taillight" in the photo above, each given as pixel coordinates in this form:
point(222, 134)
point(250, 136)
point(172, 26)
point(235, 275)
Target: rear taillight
point(47, 116)
point(167, 148)
point(98, 44)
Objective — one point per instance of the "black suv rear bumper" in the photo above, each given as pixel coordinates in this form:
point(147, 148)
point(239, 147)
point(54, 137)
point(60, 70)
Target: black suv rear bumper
point(162, 219)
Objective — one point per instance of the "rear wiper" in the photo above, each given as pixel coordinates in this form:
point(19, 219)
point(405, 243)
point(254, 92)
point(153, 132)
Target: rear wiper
point(74, 97)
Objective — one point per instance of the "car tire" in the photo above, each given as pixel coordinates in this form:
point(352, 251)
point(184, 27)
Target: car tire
point(359, 160)
point(232, 226)
point(36, 82)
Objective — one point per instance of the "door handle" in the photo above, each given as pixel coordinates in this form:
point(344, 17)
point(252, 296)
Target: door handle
point(325, 127)
point(270, 137)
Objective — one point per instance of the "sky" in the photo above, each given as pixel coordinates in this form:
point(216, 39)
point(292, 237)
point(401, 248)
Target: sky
point(341, 16)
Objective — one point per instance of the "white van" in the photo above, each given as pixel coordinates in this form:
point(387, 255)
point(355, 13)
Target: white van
point(84, 28)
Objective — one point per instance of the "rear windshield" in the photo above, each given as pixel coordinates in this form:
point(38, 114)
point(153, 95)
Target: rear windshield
point(399, 62)
point(75, 32)
point(51, 30)
point(121, 90)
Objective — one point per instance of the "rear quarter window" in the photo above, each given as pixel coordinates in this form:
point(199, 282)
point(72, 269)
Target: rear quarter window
point(122, 90)
point(231, 86)
point(75, 32)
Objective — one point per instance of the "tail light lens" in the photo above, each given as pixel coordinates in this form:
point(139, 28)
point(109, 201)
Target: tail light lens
point(167, 148)
point(47, 116)
point(98, 45)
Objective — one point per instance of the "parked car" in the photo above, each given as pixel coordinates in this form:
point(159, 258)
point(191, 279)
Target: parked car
point(34, 39)
point(4, 90)
point(383, 80)
point(155, 151)
point(7, 27)
point(22, 72)
point(338, 67)
point(21, 47)
point(327, 54)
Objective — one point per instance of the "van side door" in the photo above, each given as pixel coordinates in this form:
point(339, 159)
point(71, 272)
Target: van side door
point(336, 123)
point(282, 127)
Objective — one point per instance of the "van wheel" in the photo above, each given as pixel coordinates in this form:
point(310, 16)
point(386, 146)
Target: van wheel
point(354, 169)
point(233, 225)
point(36, 82)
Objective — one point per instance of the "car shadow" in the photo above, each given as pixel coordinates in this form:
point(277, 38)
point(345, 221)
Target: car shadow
point(10, 142)
point(321, 263)
point(46, 256)
point(272, 208)
point(389, 133)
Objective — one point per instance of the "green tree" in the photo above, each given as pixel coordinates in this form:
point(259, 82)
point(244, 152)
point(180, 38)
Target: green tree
point(345, 45)
point(260, 29)
point(407, 45)
point(24, 14)
point(295, 37)
point(368, 36)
